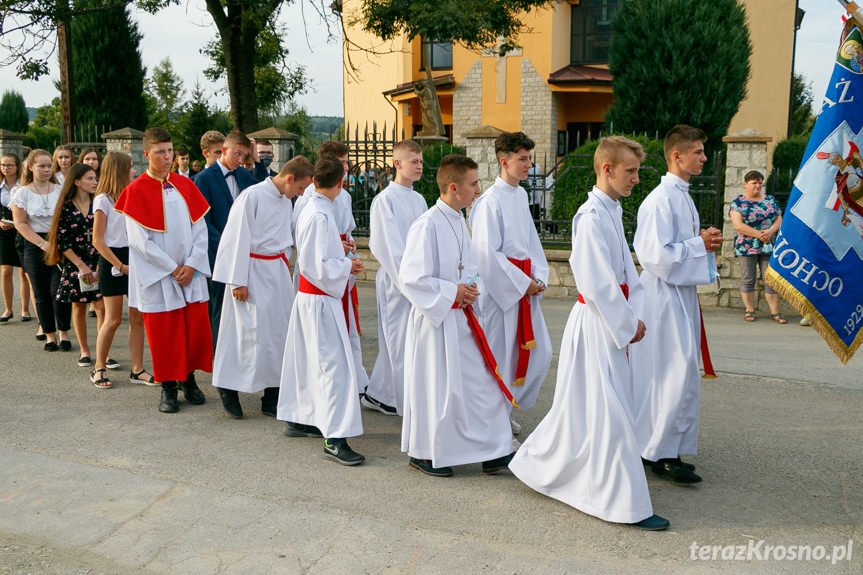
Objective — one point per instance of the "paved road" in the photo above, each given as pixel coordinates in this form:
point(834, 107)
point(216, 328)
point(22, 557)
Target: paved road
point(99, 482)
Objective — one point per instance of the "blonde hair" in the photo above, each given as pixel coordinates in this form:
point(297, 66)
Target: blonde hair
point(55, 165)
point(26, 175)
point(115, 174)
point(612, 150)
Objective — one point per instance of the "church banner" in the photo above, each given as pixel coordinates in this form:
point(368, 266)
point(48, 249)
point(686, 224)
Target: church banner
point(817, 260)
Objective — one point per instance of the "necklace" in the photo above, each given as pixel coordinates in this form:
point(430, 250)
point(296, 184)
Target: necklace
point(45, 196)
point(460, 243)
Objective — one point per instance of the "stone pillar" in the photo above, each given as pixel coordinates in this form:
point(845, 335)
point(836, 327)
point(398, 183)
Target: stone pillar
point(480, 146)
point(539, 115)
point(467, 104)
point(12, 143)
point(129, 141)
point(747, 150)
point(284, 144)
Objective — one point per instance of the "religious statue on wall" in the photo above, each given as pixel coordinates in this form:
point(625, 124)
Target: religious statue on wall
point(431, 115)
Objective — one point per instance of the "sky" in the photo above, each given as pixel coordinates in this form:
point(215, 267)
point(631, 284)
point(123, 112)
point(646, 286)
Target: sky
point(179, 32)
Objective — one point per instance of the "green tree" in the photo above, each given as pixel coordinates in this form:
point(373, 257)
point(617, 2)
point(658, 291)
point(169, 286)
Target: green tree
point(297, 121)
point(276, 83)
point(801, 119)
point(49, 116)
point(13, 112)
point(165, 95)
point(197, 118)
point(47, 129)
point(109, 76)
point(678, 62)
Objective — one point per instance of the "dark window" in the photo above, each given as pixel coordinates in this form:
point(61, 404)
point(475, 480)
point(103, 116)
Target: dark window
point(591, 30)
point(438, 53)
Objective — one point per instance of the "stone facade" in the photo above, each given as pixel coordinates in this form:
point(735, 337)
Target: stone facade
point(12, 143)
point(128, 141)
point(539, 115)
point(467, 104)
point(480, 146)
point(284, 144)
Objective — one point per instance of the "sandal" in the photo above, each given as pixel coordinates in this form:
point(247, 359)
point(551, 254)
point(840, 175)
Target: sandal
point(135, 377)
point(749, 316)
point(778, 318)
point(100, 382)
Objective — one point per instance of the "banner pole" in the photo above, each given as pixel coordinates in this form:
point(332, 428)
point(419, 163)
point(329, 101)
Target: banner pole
point(854, 10)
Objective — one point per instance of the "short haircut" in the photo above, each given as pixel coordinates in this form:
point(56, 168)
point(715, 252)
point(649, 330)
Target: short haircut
point(333, 148)
point(236, 138)
point(263, 142)
point(753, 175)
point(511, 142)
point(211, 138)
point(156, 136)
point(329, 171)
point(299, 166)
point(680, 138)
point(409, 146)
point(612, 150)
point(452, 169)
point(181, 152)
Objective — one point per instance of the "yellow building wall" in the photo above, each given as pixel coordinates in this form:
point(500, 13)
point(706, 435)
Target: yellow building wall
point(771, 28)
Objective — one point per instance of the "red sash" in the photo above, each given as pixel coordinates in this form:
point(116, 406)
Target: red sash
point(524, 329)
point(308, 287)
point(349, 298)
point(705, 352)
point(280, 256)
point(623, 287)
point(485, 350)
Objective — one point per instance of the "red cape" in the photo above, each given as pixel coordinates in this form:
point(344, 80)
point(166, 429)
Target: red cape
point(142, 202)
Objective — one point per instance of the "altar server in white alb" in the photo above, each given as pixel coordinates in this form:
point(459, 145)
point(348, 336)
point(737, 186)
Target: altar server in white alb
point(456, 406)
point(343, 211)
point(676, 258)
point(514, 273)
point(252, 262)
point(392, 213)
point(585, 451)
point(318, 391)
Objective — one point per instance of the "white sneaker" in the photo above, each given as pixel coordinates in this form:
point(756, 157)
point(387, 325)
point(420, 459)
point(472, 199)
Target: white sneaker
point(805, 320)
point(515, 444)
point(515, 426)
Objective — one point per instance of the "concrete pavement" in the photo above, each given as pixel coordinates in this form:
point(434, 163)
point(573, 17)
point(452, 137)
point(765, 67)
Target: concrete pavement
point(100, 482)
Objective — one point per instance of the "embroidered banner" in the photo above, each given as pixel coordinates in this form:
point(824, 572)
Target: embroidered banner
point(818, 255)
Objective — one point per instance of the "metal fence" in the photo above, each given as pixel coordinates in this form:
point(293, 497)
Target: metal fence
point(779, 184)
point(554, 193)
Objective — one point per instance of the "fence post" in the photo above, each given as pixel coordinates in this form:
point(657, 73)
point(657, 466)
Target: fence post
point(747, 150)
point(12, 143)
point(129, 141)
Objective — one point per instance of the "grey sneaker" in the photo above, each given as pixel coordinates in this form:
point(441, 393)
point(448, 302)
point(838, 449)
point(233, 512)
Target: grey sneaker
point(372, 403)
point(340, 451)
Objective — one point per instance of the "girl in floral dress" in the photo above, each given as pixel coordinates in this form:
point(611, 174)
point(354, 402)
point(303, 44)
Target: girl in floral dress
point(71, 246)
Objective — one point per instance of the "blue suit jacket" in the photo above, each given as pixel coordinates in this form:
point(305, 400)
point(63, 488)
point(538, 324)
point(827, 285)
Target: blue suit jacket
point(212, 184)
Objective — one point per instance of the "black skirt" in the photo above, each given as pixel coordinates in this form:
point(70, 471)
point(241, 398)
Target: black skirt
point(8, 252)
point(111, 285)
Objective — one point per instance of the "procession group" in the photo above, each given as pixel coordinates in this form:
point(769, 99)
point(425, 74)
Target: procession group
point(462, 340)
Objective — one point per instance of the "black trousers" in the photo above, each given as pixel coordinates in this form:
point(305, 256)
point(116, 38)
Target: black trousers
point(45, 279)
point(217, 295)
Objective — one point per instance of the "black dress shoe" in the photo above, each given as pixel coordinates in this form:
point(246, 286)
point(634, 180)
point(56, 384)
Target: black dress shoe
point(425, 465)
point(270, 401)
point(50, 346)
point(41, 337)
point(301, 430)
point(192, 392)
point(495, 466)
point(26, 318)
point(683, 463)
point(653, 523)
point(676, 471)
point(231, 402)
point(65, 345)
point(169, 403)
point(5, 318)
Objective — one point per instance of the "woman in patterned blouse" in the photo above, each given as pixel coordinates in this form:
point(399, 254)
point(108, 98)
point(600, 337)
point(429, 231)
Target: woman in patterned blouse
point(70, 246)
point(756, 219)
